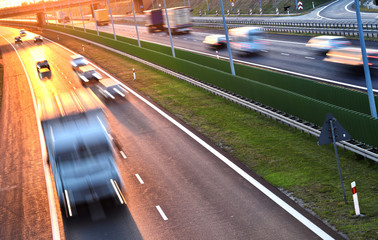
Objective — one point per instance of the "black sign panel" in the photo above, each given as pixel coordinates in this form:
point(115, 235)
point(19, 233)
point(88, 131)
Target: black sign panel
point(326, 134)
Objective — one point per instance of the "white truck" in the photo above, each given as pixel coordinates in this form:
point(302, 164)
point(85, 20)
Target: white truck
point(80, 153)
point(62, 17)
point(101, 16)
point(179, 19)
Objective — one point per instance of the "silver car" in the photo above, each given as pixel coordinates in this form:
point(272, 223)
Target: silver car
point(87, 73)
point(323, 44)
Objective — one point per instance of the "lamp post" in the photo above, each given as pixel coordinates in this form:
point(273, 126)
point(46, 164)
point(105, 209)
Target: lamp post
point(227, 40)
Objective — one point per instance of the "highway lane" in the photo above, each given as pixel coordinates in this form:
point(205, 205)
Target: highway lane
point(286, 53)
point(199, 195)
point(24, 212)
point(341, 10)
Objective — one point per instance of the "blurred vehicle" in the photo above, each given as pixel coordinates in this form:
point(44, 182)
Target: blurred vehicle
point(102, 17)
point(215, 41)
point(43, 66)
point(154, 20)
point(87, 73)
point(352, 56)
point(78, 60)
point(246, 40)
point(80, 153)
point(110, 89)
point(62, 17)
point(17, 39)
point(22, 33)
point(322, 44)
point(38, 39)
point(179, 20)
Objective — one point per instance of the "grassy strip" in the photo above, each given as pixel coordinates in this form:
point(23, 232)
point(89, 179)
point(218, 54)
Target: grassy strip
point(283, 156)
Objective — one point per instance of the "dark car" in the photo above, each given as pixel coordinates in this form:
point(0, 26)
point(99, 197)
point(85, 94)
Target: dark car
point(22, 33)
point(43, 66)
point(38, 39)
point(17, 39)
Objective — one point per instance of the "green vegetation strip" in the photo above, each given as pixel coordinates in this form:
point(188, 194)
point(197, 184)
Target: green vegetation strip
point(309, 108)
point(286, 158)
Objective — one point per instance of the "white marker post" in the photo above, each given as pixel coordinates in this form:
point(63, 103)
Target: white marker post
point(355, 198)
point(217, 54)
point(134, 74)
point(83, 47)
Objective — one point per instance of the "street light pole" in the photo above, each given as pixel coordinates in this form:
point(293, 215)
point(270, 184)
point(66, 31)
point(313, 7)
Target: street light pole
point(111, 17)
point(82, 19)
point(69, 7)
point(136, 26)
point(94, 15)
point(169, 30)
point(373, 109)
point(227, 40)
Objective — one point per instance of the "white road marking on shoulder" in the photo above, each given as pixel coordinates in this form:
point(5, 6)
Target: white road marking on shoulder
point(139, 178)
point(123, 154)
point(310, 58)
point(161, 213)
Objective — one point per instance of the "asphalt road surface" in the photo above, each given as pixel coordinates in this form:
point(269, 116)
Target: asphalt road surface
point(285, 53)
point(178, 187)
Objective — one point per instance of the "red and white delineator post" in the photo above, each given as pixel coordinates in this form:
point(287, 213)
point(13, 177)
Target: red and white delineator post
point(134, 74)
point(355, 198)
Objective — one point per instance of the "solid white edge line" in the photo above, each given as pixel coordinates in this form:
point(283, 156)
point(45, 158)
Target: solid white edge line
point(161, 213)
point(250, 179)
point(346, 7)
point(318, 13)
point(68, 203)
point(116, 190)
point(139, 178)
point(50, 192)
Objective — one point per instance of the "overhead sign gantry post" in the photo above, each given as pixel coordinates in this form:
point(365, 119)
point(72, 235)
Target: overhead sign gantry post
point(227, 40)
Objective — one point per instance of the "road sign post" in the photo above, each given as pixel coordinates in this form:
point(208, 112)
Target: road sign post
point(333, 132)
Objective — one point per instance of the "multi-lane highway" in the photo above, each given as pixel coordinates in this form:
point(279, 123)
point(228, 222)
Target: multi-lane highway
point(285, 53)
point(179, 185)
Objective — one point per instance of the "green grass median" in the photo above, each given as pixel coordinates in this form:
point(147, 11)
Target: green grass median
point(283, 156)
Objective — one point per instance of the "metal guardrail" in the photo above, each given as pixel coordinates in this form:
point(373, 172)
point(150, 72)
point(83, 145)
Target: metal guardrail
point(306, 127)
point(309, 27)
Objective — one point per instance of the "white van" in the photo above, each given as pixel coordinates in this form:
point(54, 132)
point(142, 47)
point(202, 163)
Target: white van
point(247, 40)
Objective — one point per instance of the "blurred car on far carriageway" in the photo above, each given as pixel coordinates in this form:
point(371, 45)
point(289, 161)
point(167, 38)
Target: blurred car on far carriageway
point(215, 41)
point(352, 56)
point(323, 44)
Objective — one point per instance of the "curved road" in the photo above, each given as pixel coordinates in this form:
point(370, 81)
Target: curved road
point(177, 185)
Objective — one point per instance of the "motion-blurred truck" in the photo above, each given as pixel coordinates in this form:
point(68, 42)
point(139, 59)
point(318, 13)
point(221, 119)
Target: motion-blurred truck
point(179, 20)
point(80, 153)
point(154, 20)
point(62, 17)
point(102, 17)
